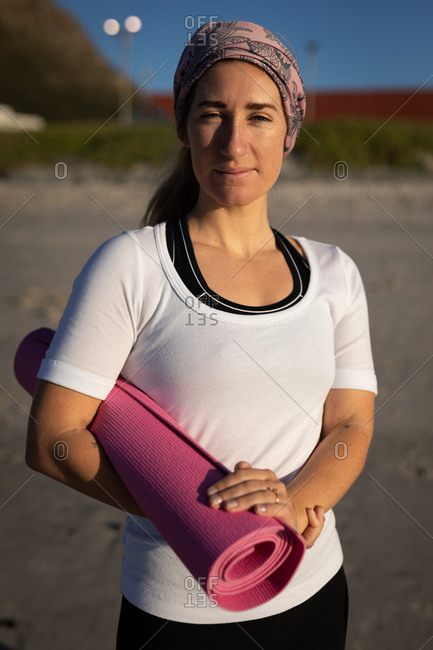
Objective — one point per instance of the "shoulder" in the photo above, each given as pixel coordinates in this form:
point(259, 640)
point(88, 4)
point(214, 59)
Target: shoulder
point(125, 243)
point(336, 271)
point(122, 251)
point(327, 256)
point(122, 261)
point(324, 256)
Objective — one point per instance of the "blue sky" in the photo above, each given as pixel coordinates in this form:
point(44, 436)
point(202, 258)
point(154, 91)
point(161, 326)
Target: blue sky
point(368, 45)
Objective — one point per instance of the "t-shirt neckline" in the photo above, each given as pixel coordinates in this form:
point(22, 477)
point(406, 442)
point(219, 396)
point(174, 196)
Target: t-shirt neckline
point(193, 303)
point(216, 300)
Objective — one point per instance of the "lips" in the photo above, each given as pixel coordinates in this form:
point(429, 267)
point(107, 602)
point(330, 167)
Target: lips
point(239, 172)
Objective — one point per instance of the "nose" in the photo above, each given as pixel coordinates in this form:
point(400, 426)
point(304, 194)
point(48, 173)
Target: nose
point(233, 139)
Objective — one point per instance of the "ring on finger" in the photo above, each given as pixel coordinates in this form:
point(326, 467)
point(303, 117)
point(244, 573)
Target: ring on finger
point(274, 489)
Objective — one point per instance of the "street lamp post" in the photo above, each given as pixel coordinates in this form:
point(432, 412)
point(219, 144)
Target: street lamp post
point(112, 27)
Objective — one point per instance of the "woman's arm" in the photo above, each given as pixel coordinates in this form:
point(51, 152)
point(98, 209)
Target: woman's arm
point(326, 476)
point(340, 455)
point(60, 446)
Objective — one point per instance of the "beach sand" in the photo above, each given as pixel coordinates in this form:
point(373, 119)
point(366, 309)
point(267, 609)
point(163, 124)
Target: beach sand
point(60, 552)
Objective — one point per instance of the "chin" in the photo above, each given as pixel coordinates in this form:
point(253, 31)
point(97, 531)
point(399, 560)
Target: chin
point(233, 197)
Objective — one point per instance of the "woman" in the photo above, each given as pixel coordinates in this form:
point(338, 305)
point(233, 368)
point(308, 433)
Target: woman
point(257, 344)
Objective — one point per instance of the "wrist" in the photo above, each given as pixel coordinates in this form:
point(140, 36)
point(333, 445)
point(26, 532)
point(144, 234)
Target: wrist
point(300, 512)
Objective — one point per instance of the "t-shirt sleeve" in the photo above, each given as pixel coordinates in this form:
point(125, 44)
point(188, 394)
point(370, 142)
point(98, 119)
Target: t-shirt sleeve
point(353, 357)
point(99, 325)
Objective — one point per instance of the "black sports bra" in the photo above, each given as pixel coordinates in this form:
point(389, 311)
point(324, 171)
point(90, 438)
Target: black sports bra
point(182, 255)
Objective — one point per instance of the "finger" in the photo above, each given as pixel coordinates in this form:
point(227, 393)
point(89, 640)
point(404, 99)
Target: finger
point(242, 464)
point(243, 476)
point(317, 516)
point(316, 521)
point(286, 512)
point(247, 494)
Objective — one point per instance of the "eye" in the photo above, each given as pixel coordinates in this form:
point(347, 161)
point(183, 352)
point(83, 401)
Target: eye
point(207, 116)
point(260, 118)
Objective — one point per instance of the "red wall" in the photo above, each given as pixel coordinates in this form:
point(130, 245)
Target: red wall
point(409, 104)
point(406, 104)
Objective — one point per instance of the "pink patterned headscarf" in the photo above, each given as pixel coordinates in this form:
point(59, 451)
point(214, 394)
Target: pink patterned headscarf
point(246, 42)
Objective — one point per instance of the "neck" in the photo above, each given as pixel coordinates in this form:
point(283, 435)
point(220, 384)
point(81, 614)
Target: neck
point(240, 230)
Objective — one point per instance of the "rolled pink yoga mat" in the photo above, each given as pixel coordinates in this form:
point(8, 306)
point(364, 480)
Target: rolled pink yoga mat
point(242, 559)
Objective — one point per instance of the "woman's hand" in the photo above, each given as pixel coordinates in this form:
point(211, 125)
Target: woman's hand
point(260, 490)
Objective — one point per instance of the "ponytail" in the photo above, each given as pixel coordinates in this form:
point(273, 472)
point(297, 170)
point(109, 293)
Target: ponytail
point(176, 195)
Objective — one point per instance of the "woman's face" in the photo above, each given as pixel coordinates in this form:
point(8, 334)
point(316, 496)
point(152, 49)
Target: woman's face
point(236, 129)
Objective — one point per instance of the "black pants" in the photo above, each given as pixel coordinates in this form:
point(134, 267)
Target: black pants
point(319, 623)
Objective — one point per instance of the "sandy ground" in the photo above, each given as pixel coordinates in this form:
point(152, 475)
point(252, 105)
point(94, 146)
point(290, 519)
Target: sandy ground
point(60, 553)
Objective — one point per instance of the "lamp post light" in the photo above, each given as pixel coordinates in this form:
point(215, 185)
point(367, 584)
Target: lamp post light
point(112, 27)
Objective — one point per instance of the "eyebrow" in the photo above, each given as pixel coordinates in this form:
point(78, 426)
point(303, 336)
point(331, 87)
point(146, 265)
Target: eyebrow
point(256, 106)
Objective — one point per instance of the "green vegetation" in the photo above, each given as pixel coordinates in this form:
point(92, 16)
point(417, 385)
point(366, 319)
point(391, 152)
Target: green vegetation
point(112, 145)
point(361, 145)
point(364, 144)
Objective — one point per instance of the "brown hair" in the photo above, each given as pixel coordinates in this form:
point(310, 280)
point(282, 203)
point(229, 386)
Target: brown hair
point(176, 195)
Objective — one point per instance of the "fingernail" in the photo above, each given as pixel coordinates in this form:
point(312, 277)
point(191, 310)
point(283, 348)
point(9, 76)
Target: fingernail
point(211, 490)
point(260, 508)
point(231, 504)
point(216, 500)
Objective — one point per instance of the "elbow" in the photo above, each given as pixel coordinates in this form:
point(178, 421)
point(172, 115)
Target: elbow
point(33, 457)
point(38, 456)
point(40, 452)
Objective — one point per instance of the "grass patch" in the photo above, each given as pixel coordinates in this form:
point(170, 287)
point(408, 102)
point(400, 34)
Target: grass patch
point(112, 146)
point(363, 144)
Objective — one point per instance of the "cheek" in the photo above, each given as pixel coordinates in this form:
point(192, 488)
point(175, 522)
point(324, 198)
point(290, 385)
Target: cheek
point(273, 150)
point(270, 138)
point(202, 138)
point(200, 156)
point(202, 145)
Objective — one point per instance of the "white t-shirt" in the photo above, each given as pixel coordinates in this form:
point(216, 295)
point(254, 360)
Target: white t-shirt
point(246, 387)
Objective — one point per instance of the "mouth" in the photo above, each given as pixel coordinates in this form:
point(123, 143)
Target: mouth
point(239, 172)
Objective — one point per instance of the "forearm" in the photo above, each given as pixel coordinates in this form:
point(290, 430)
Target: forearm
point(76, 459)
point(347, 427)
point(332, 468)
